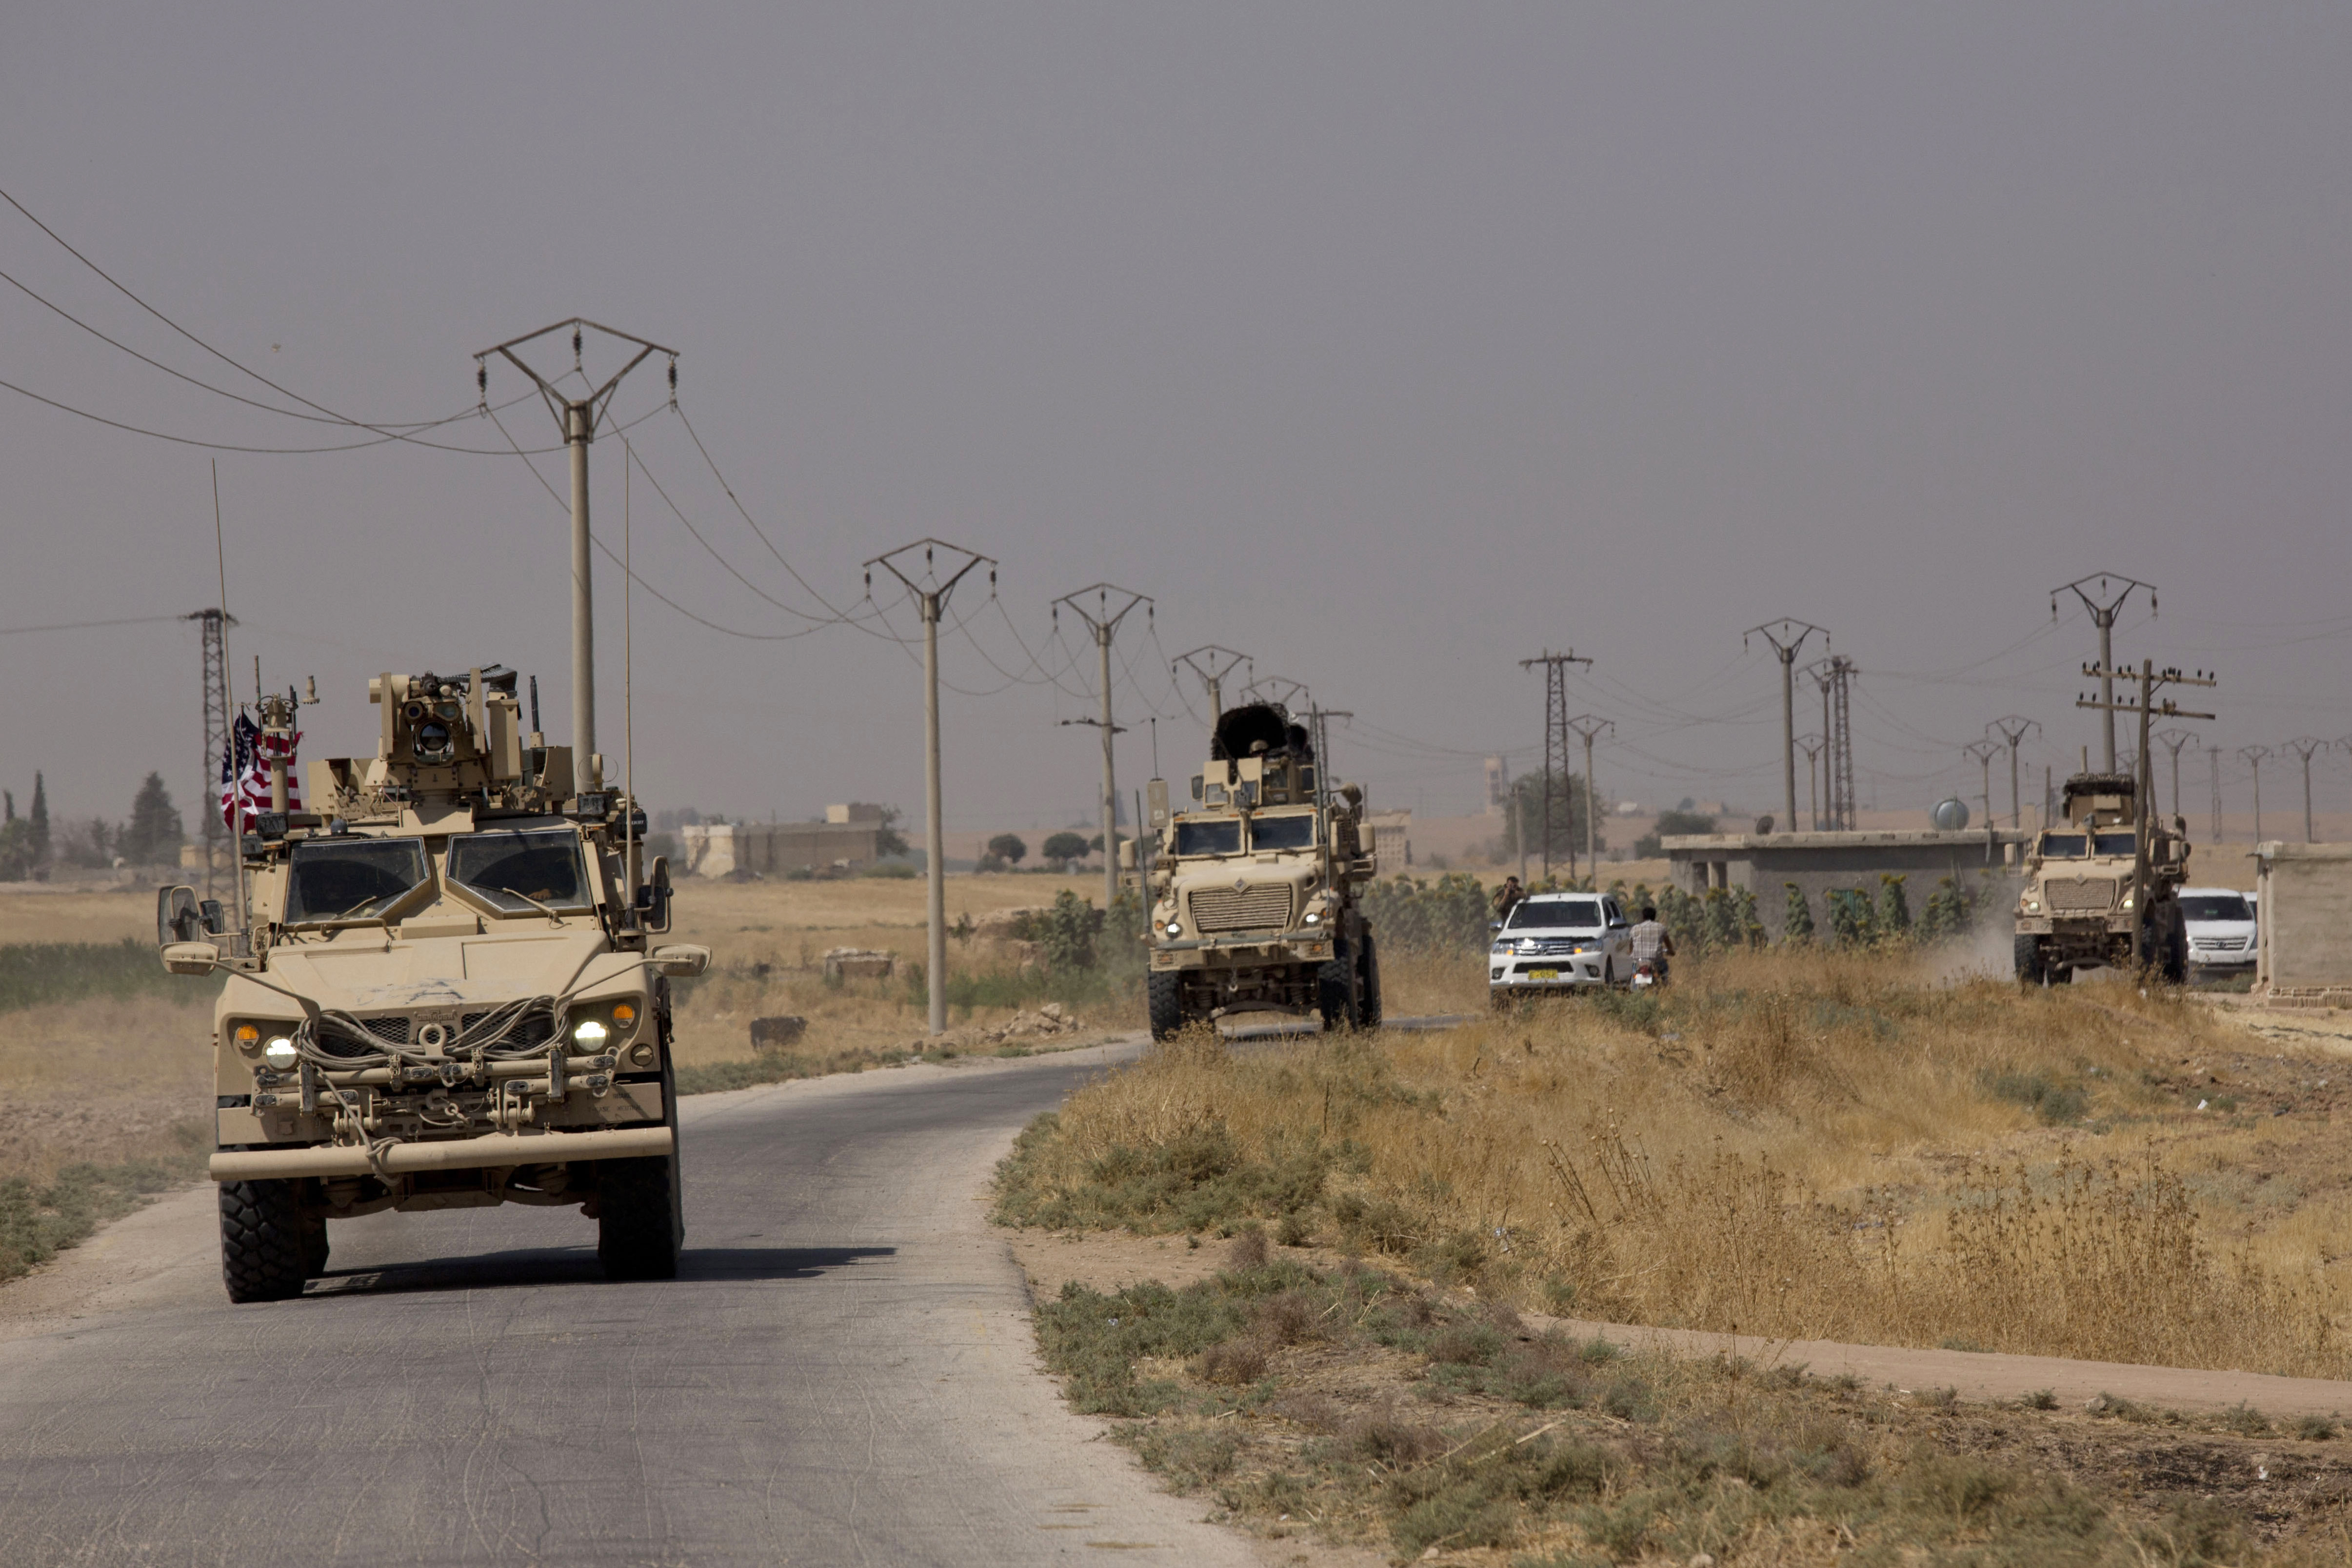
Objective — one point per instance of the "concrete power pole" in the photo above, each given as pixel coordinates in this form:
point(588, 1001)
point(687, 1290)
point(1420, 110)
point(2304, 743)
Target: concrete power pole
point(2011, 730)
point(2174, 739)
point(1787, 636)
point(931, 591)
point(1555, 669)
point(1982, 752)
point(2213, 762)
point(2112, 593)
point(2252, 756)
point(2147, 709)
point(1586, 728)
point(577, 418)
point(1103, 622)
point(2304, 746)
point(1812, 746)
point(1212, 665)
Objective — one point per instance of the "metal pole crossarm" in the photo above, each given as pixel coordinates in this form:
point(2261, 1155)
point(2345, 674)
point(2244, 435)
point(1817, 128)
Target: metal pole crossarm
point(2012, 728)
point(1293, 696)
point(2304, 746)
point(2176, 739)
point(2167, 709)
point(1220, 663)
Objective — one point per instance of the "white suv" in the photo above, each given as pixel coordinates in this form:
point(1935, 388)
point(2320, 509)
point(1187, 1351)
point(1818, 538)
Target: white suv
point(2221, 927)
point(1558, 942)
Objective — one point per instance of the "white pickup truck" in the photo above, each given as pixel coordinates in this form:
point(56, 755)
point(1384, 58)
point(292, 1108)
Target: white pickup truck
point(1554, 942)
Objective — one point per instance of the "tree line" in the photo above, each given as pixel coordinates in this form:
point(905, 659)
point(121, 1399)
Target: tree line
point(31, 846)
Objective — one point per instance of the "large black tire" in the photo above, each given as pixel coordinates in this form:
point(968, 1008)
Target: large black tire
point(641, 1208)
point(1368, 967)
point(2027, 950)
point(1335, 993)
point(263, 1253)
point(1164, 993)
point(314, 1245)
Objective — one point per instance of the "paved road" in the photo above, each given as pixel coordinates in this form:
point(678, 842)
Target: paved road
point(843, 1374)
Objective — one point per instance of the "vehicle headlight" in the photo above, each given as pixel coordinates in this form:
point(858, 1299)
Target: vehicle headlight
point(2128, 901)
point(1314, 917)
point(2032, 906)
point(589, 1032)
point(279, 1054)
point(1501, 949)
point(1175, 928)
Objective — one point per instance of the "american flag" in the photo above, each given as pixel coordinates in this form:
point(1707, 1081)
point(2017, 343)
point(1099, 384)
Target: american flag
point(245, 773)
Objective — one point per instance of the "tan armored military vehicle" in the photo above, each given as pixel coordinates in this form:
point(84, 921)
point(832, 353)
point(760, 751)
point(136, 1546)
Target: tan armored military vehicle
point(1254, 890)
point(2078, 909)
point(441, 994)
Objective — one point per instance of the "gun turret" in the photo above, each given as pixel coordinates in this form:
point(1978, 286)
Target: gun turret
point(446, 738)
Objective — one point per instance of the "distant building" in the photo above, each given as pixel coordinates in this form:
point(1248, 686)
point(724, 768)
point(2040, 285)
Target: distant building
point(847, 840)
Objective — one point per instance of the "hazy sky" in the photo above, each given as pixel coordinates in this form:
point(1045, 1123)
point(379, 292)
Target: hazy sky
point(1389, 344)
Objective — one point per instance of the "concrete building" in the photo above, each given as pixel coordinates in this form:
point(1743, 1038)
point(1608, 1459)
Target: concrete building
point(1764, 863)
point(847, 839)
point(2304, 913)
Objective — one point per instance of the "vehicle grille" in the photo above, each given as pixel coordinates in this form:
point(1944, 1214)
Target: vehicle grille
point(2088, 895)
point(2222, 944)
point(1265, 906)
point(1552, 943)
point(533, 1030)
point(392, 1028)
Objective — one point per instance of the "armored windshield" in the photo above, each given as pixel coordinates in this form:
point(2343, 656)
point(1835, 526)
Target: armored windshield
point(2215, 907)
point(515, 870)
point(2115, 843)
point(2064, 846)
point(1287, 833)
point(350, 879)
point(1216, 836)
point(1551, 913)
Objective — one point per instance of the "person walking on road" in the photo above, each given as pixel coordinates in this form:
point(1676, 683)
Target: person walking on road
point(1653, 944)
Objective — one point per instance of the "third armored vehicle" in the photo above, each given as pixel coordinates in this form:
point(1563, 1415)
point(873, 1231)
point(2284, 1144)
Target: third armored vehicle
point(441, 994)
point(2078, 909)
point(1255, 904)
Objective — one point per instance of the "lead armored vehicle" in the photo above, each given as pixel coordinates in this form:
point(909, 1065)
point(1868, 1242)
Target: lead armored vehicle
point(1254, 889)
point(441, 994)
point(2078, 908)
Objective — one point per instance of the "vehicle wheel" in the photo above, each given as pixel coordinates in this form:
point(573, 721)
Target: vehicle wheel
point(637, 1223)
point(1335, 993)
point(2028, 953)
point(1368, 1005)
point(314, 1245)
point(640, 1207)
point(262, 1245)
point(1164, 994)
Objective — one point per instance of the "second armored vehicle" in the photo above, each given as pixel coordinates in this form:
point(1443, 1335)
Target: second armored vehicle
point(2078, 908)
point(1254, 903)
point(442, 994)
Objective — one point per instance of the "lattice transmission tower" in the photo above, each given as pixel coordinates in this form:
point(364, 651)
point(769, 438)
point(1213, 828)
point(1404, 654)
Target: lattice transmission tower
point(1557, 769)
point(216, 623)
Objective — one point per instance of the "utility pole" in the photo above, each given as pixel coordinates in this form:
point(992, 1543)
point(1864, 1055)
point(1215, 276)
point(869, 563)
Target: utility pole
point(1811, 745)
point(1555, 669)
point(577, 418)
point(2011, 729)
point(2252, 756)
point(1982, 752)
point(1586, 726)
point(1212, 665)
point(216, 728)
point(1787, 636)
point(2112, 592)
point(2214, 761)
point(931, 591)
point(2176, 739)
point(1103, 622)
point(1835, 676)
point(2144, 807)
point(2304, 746)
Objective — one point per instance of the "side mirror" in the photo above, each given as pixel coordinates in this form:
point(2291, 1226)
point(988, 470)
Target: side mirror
point(1127, 854)
point(214, 921)
point(1196, 786)
point(682, 960)
point(653, 896)
point(191, 957)
point(177, 916)
point(1493, 925)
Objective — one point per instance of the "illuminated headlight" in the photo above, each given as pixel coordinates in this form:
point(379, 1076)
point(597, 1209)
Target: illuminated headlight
point(1175, 928)
point(2128, 901)
point(278, 1053)
point(1313, 918)
point(1501, 949)
point(588, 1032)
point(2032, 906)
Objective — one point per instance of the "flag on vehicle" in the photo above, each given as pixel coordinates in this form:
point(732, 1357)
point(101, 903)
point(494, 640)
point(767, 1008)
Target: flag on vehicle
point(245, 773)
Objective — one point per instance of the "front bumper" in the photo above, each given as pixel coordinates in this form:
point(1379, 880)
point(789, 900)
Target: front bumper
point(1308, 945)
point(490, 1149)
point(1546, 972)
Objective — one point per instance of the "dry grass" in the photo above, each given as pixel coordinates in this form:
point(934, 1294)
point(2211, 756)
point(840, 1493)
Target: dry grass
point(1819, 1145)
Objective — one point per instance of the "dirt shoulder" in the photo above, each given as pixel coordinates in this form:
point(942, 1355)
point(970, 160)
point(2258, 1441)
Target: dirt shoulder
point(1439, 1427)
